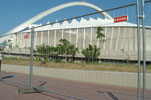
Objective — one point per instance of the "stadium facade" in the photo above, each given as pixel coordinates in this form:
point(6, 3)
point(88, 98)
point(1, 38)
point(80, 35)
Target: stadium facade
point(120, 38)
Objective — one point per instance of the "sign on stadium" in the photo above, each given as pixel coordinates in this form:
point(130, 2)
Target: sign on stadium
point(120, 19)
point(26, 36)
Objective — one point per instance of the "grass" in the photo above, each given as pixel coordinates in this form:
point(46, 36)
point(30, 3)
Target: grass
point(78, 66)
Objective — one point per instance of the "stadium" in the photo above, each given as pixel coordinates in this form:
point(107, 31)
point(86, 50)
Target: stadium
point(120, 38)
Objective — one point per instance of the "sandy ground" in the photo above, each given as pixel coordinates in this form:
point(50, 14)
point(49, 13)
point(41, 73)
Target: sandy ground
point(87, 91)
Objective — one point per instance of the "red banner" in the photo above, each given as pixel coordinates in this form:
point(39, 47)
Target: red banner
point(26, 36)
point(120, 19)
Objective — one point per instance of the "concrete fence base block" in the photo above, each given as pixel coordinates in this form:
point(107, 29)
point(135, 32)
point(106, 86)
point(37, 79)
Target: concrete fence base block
point(27, 90)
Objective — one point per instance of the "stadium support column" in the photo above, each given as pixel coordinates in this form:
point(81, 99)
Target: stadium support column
point(48, 37)
point(84, 39)
point(62, 34)
point(91, 35)
point(105, 30)
point(97, 44)
point(123, 38)
point(55, 38)
point(134, 40)
point(111, 39)
point(41, 37)
point(35, 39)
point(77, 36)
point(117, 39)
point(70, 35)
point(16, 40)
point(20, 41)
point(129, 39)
point(25, 42)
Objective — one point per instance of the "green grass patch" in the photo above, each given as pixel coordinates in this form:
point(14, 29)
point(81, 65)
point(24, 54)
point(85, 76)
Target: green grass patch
point(78, 66)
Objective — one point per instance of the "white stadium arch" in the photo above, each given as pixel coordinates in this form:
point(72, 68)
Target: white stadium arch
point(52, 10)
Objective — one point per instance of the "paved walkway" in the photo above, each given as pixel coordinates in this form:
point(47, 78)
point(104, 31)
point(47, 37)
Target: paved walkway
point(89, 91)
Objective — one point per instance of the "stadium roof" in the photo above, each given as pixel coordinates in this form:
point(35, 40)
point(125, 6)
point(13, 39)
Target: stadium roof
point(91, 22)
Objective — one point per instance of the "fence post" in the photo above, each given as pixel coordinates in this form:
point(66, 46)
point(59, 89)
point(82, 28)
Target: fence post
point(31, 56)
point(139, 53)
point(144, 51)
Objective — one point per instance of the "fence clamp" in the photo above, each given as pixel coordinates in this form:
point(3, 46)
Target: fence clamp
point(141, 17)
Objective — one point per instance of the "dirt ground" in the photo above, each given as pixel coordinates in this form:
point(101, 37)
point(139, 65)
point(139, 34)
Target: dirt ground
point(57, 87)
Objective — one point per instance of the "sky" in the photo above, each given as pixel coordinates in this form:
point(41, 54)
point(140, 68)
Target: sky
point(15, 12)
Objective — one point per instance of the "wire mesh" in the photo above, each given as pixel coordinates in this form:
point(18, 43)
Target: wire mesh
point(82, 65)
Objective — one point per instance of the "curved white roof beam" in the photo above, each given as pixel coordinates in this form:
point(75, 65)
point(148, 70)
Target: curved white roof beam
point(52, 10)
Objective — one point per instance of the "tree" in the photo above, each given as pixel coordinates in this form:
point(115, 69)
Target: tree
point(64, 47)
point(100, 35)
point(86, 53)
point(9, 43)
point(67, 49)
point(91, 53)
point(95, 53)
point(59, 50)
point(45, 50)
point(72, 50)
